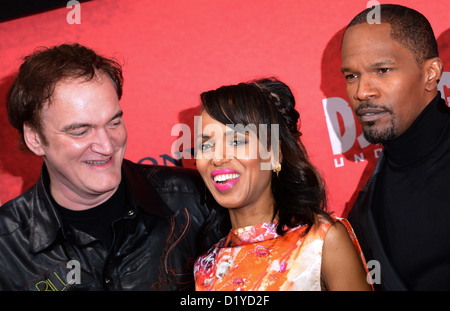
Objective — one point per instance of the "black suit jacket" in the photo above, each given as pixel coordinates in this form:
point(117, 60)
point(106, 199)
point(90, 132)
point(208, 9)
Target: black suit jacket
point(362, 220)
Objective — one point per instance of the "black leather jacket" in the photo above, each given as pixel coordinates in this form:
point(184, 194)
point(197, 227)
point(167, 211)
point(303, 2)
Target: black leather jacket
point(154, 246)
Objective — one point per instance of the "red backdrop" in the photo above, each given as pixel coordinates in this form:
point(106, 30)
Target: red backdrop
point(172, 51)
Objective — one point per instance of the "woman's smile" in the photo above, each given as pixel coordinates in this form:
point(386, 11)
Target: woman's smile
point(225, 179)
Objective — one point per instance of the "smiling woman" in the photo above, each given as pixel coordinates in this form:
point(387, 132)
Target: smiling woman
point(280, 226)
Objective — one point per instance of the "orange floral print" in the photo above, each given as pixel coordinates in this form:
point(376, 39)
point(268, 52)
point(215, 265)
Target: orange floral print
point(257, 258)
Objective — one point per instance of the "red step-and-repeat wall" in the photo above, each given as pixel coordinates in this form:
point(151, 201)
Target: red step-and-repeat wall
point(171, 51)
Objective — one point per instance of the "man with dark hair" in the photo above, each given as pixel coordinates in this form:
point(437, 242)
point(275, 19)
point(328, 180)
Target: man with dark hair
point(93, 221)
point(401, 216)
point(408, 27)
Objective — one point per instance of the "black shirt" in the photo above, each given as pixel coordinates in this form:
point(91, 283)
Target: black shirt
point(412, 200)
point(97, 221)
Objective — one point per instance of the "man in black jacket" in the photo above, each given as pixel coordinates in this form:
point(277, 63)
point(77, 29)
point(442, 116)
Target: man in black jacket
point(93, 221)
point(401, 216)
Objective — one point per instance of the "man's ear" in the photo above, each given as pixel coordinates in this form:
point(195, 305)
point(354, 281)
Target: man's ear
point(434, 69)
point(33, 140)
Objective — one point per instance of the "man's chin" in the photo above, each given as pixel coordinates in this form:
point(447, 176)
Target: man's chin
point(376, 136)
point(105, 184)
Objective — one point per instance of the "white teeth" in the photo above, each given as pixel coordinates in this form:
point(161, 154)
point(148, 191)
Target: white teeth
point(224, 177)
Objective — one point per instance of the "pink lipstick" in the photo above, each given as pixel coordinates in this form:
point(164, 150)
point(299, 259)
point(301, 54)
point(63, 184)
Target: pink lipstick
point(224, 179)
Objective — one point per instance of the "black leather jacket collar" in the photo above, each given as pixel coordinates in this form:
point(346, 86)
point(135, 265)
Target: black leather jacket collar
point(46, 222)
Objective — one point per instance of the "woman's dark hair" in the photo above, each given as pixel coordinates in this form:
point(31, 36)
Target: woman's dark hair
point(298, 190)
point(42, 70)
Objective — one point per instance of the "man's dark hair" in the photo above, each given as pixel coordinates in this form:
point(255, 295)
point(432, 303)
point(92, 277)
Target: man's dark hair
point(42, 70)
point(408, 27)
